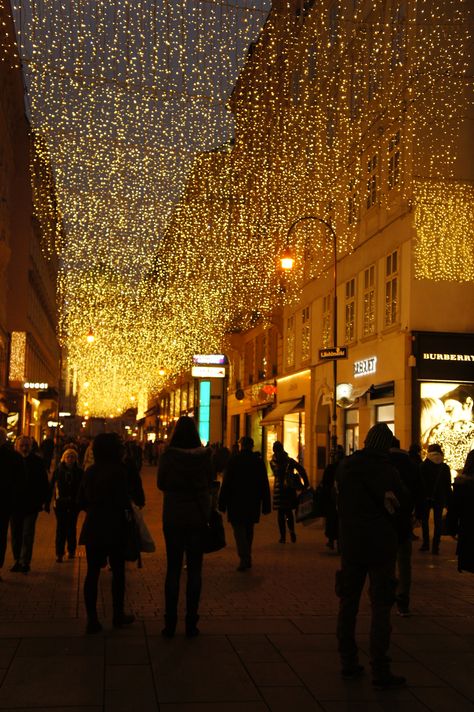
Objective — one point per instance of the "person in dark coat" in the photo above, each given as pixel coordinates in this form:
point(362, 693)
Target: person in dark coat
point(11, 476)
point(31, 497)
point(436, 481)
point(329, 499)
point(410, 476)
point(104, 495)
point(370, 496)
point(244, 495)
point(460, 516)
point(185, 477)
point(64, 488)
point(285, 495)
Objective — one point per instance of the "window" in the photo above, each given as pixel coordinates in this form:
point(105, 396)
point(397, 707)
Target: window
point(273, 352)
point(368, 319)
point(305, 334)
point(372, 181)
point(352, 204)
point(391, 288)
point(290, 341)
point(350, 311)
point(326, 325)
point(261, 356)
point(394, 161)
point(397, 54)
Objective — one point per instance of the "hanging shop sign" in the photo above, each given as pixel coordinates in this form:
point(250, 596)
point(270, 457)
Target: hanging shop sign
point(334, 352)
point(365, 366)
point(209, 359)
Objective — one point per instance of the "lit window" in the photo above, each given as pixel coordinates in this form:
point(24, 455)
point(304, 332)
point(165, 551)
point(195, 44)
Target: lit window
point(326, 324)
point(290, 341)
point(391, 288)
point(350, 310)
point(368, 319)
point(305, 334)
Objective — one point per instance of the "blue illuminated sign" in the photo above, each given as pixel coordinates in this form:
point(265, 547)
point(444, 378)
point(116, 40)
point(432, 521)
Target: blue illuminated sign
point(205, 411)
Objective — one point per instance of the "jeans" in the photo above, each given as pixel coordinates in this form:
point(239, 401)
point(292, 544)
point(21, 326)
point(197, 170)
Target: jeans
point(23, 536)
point(285, 516)
point(243, 535)
point(95, 561)
point(349, 584)
point(66, 522)
point(180, 541)
point(404, 574)
point(425, 524)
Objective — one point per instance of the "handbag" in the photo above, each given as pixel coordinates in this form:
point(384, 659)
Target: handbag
point(305, 504)
point(214, 534)
point(145, 539)
point(132, 546)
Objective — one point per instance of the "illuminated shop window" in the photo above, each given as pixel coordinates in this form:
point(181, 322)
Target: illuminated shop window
point(391, 288)
point(368, 302)
point(393, 161)
point(290, 341)
point(350, 311)
point(305, 334)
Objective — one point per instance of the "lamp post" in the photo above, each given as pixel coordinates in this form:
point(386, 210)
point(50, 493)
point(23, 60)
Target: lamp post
point(287, 263)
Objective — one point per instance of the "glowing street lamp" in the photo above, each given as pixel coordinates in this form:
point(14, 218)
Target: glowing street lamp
point(90, 337)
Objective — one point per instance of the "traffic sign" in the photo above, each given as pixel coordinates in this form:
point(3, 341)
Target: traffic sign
point(332, 353)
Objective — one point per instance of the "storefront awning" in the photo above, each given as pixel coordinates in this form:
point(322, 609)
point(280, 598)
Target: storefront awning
point(282, 409)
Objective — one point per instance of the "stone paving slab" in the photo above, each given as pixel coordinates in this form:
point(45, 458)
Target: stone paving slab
point(267, 643)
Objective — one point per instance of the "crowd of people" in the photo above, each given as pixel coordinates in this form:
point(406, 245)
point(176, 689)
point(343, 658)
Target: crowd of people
point(373, 498)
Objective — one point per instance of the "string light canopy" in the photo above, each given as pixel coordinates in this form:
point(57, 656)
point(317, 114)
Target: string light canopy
point(175, 199)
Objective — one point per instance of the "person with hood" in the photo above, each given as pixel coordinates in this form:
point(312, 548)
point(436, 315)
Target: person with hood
point(104, 495)
point(370, 497)
point(436, 482)
point(284, 492)
point(64, 487)
point(244, 495)
point(185, 477)
point(460, 516)
point(32, 497)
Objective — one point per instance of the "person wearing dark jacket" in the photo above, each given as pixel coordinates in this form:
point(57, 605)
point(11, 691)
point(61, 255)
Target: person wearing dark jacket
point(64, 490)
point(244, 495)
point(184, 476)
point(284, 494)
point(460, 516)
point(32, 496)
point(410, 476)
point(370, 495)
point(104, 495)
point(436, 482)
point(11, 476)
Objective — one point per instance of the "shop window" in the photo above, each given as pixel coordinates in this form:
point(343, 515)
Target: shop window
point(351, 443)
point(393, 161)
point(293, 435)
point(368, 319)
point(350, 311)
point(386, 414)
point(290, 342)
point(372, 170)
point(326, 323)
point(305, 334)
point(391, 288)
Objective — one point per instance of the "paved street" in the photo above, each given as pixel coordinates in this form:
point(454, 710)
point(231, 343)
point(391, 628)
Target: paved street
point(267, 640)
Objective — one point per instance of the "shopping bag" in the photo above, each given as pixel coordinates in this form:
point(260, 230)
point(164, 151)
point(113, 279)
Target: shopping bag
point(214, 535)
point(304, 506)
point(145, 539)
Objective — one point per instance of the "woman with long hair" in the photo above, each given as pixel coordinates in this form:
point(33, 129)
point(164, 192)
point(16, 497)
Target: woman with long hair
point(104, 494)
point(184, 476)
point(64, 489)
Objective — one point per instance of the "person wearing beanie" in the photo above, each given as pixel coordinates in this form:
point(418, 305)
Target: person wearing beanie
point(64, 490)
point(436, 482)
point(370, 498)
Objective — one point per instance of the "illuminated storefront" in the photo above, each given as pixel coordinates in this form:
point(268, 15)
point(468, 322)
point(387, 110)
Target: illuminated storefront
point(443, 394)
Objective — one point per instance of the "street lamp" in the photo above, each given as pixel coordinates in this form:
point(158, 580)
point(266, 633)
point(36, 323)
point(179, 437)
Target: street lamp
point(287, 263)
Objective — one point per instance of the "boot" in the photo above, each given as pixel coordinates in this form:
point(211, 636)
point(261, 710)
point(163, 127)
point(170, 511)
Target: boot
point(191, 629)
point(170, 627)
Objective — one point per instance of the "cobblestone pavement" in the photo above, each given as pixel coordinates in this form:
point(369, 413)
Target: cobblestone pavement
point(267, 641)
